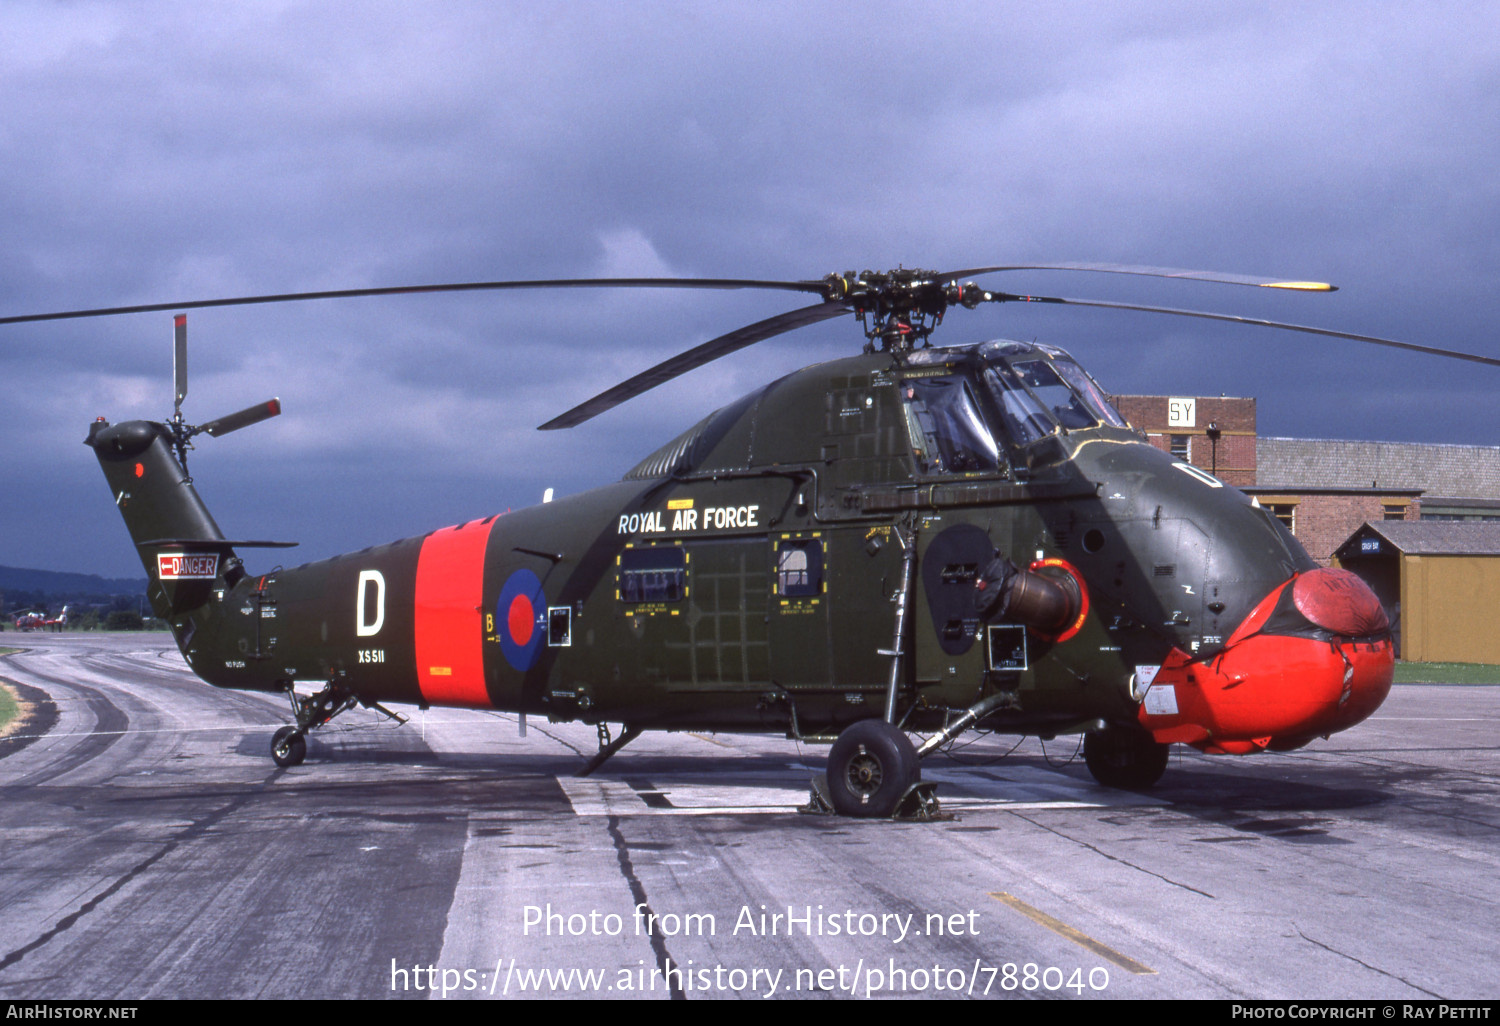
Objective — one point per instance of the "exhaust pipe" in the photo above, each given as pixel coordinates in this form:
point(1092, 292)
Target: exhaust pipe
point(1047, 604)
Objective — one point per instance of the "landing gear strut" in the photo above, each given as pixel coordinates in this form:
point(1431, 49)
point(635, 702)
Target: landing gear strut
point(607, 747)
point(289, 745)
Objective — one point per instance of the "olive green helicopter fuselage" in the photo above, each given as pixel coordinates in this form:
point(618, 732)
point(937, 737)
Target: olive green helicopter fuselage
point(934, 539)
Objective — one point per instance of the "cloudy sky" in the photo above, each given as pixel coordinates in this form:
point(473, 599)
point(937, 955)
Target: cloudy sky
point(162, 151)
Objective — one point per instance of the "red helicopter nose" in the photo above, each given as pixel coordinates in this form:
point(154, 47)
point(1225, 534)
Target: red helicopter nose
point(1313, 657)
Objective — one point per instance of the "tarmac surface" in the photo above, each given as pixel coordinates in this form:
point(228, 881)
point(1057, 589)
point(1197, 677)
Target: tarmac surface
point(152, 849)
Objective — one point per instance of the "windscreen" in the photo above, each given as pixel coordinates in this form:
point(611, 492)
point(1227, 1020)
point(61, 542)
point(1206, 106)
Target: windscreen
point(1043, 381)
point(1037, 394)
point(1088, 391)
point(1026, 419)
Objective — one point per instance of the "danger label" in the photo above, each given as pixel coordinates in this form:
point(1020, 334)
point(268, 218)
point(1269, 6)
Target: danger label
point(182, 566)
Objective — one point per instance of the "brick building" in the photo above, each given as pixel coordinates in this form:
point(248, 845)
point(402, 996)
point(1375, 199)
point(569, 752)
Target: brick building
point(1456, 482)
point(1215, 434)
point(1323, 518)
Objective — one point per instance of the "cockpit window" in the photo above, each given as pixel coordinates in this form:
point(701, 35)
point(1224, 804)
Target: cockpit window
point(1037, 395)
point(948, 433)
point(1042, 379)
point(1026, 420)
point(961, 412)
point(1088, 391)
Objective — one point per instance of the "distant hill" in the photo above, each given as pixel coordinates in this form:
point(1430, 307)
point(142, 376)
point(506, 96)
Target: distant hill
point(51, 582)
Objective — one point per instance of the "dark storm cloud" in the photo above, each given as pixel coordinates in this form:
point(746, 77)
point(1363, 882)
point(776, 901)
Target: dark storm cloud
point(160, 151)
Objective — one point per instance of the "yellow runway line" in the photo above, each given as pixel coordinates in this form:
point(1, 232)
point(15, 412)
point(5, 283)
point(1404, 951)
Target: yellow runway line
point(1078, 937)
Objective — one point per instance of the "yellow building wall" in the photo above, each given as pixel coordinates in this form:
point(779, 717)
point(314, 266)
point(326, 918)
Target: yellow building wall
point(1450, 609)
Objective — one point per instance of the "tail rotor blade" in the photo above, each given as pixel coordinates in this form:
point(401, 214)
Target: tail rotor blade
point(179, 357)
point(244, 418)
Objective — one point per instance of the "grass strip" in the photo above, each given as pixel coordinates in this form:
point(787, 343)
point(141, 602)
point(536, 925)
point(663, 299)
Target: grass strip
point(1446, 673)
point(10, 708)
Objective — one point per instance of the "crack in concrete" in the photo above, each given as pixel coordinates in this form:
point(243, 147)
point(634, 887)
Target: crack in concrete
point(1361, 962)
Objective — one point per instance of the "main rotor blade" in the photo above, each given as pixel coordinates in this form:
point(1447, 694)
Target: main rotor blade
point(1372, 339)
point(405, 290)
point(646, 283)
point(244, 418)
point(1155, 272)
point(694, 358)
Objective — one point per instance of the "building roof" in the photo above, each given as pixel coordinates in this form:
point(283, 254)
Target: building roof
point(1457, 502)
point(1271, 490)
point(1161, 395)
point(1432, 537)
point(1456, 471)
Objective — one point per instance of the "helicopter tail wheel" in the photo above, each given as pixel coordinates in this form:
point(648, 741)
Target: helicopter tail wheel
point(288, 747)
point(870, 768)
point(1124, 757)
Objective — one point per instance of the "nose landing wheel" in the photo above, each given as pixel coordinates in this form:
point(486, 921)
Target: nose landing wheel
point(1125, 758)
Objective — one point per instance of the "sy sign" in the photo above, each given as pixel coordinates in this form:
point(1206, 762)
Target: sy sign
point(1182, 412)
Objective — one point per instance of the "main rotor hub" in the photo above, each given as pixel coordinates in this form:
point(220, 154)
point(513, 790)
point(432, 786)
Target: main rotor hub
point(898, 309)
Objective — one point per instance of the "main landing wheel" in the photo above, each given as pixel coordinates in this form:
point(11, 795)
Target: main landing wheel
point(288, 747)
point(871, 766)
point(1124, 757)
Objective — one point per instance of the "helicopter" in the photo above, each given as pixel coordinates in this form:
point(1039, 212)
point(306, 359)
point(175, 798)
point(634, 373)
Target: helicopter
point(916, 539)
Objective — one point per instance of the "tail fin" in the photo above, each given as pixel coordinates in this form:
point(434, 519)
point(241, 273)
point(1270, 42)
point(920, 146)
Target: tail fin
point(183, 550)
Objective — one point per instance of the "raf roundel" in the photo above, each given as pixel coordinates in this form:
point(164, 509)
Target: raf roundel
point(521, 604)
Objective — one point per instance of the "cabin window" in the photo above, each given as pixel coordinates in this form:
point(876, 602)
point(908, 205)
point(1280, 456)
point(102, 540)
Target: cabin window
point(655, 576)
point(799, 567)
point(948, 433)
